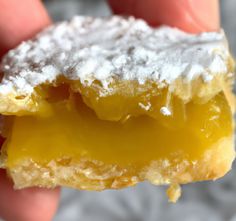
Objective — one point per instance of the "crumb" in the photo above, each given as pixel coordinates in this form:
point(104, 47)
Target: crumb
point(174, 192)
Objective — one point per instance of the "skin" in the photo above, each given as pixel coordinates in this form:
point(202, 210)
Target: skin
point(190, 15)
point(19, 22)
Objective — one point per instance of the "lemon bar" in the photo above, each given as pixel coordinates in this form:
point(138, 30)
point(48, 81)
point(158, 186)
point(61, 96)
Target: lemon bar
point(98, 103)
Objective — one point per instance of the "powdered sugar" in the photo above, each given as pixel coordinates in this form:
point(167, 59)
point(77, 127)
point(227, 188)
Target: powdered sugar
point(102, 48)
point(146, 107)
point(165, 111)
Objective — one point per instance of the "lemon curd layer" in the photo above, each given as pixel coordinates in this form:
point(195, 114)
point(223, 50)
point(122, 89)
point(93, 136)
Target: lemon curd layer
point(74, 130)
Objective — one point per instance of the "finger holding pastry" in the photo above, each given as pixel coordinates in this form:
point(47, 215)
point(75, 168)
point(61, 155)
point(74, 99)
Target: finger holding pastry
point(19, 22)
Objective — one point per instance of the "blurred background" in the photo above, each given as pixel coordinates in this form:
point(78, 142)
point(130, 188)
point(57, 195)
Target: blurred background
point(206, 201)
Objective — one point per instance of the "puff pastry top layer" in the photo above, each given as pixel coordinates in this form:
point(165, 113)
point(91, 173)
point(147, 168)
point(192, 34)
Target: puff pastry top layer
point(104, 49)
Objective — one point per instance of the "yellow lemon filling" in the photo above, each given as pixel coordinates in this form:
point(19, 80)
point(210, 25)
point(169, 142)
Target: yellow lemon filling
point(133, 134)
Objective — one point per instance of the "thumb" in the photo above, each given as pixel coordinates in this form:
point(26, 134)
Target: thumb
point(20, 20)
point(190, 15)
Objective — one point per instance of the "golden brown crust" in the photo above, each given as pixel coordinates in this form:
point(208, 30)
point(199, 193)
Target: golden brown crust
point(94, 175)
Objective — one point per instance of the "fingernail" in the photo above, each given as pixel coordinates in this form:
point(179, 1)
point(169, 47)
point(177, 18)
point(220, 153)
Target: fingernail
point(204, 14)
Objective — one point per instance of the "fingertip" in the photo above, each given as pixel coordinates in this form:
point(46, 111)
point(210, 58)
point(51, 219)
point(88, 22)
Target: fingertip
point(19, 22)
point(190, 15)
point(27, 204)
point(205, 14)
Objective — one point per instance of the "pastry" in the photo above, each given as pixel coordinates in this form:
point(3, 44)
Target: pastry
point(98, 103)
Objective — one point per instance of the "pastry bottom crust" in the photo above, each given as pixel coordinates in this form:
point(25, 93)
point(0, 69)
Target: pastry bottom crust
point(95, 175)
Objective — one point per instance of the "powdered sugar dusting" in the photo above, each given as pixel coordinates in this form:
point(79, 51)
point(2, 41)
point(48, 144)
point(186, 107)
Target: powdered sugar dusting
point(102, 48)
point(165, 111)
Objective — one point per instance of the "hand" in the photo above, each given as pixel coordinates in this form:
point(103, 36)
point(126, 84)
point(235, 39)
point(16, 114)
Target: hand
point(20, 20)
point(190, 15)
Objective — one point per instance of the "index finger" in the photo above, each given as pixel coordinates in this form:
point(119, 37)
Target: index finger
point(190, 15)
